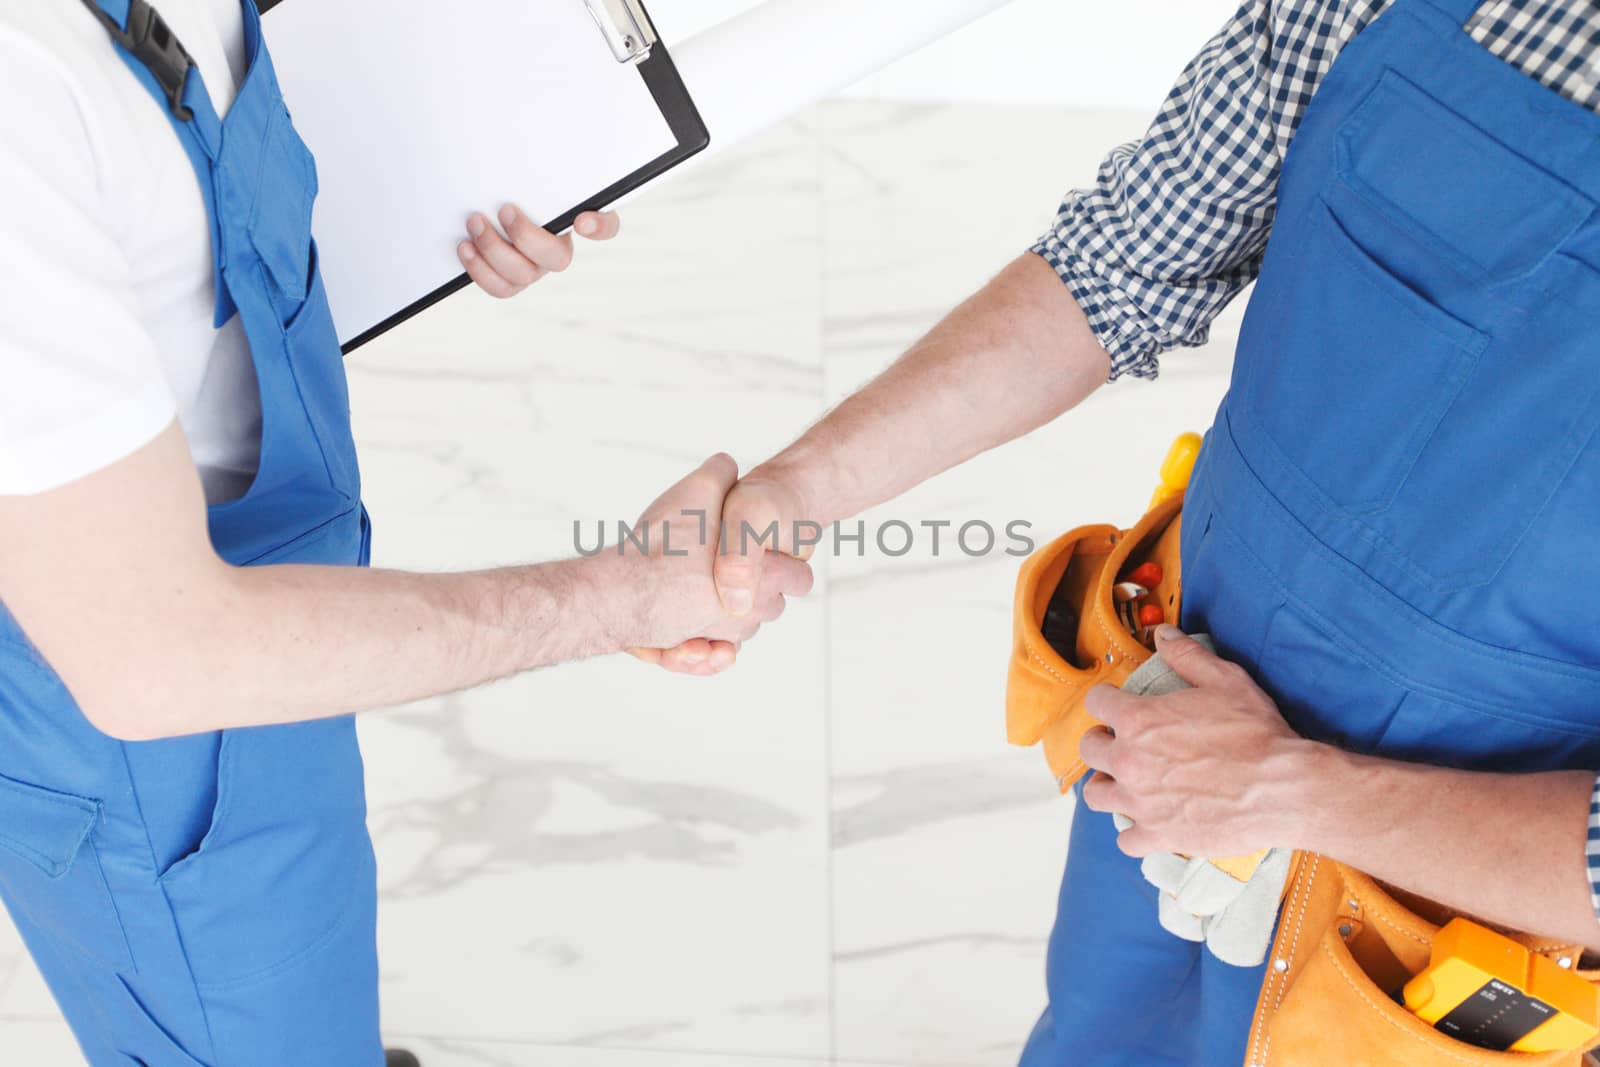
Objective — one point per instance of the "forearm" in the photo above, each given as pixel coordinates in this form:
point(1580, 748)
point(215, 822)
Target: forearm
point(1011, 358)
point(155, 636)
point(260, 645)
point(1508, 848)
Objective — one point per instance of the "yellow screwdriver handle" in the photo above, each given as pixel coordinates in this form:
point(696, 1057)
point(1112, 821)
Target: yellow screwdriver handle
point(1177, 467)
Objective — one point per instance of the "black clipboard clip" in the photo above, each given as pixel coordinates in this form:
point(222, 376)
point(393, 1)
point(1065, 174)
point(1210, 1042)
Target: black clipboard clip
point(626, 28)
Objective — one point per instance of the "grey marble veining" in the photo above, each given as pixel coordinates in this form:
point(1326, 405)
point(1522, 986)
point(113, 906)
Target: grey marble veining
point(1026, 943)
point(491, 821)
point(903, 799)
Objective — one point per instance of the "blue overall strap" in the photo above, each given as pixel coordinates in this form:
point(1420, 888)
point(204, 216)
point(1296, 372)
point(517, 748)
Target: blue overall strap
point(158, 59)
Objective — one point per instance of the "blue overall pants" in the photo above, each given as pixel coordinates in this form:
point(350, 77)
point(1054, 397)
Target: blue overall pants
point(211, 899)
point(1392, 522)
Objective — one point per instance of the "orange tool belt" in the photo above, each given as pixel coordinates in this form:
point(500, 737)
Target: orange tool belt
point(1345, 945)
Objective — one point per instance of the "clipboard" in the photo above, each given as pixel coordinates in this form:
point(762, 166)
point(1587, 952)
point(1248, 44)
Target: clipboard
point(392, 96)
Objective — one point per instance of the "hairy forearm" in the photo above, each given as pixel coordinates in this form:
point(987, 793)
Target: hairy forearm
point(114, 579)
point(1507, 848)
point(1011, 358)
point(260, 645)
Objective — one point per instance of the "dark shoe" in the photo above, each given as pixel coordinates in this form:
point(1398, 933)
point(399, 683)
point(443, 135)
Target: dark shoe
point(399, 1057)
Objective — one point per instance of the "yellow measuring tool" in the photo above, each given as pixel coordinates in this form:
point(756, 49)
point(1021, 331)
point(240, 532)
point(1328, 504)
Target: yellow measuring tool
point(1483, 988)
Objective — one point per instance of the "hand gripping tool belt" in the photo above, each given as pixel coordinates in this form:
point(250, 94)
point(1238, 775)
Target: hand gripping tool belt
point(1345, 945)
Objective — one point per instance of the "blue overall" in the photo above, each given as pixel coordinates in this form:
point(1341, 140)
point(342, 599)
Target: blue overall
point(1392, 522)
point(211, 899)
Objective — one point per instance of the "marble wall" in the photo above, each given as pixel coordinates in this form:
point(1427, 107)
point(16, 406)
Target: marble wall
point(828, 855)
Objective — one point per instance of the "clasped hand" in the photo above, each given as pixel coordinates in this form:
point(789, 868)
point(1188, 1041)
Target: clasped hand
point(690, 623)
point(754, 560)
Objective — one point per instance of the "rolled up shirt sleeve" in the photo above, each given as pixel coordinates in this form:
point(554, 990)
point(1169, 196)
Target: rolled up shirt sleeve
point(1175, 223)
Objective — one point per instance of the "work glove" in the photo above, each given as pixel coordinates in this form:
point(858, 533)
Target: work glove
point(1200, 901)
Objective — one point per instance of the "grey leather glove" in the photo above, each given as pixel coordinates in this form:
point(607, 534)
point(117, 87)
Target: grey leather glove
point(1198, 900)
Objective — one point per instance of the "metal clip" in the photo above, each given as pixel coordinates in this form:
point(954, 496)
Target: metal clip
point(626, 28)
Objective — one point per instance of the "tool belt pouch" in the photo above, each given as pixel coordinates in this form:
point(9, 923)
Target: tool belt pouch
point(1345, 948)
point(1044, 689)
point(1345, 945)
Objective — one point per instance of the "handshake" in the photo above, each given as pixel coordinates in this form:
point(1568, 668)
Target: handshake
point(707, 564)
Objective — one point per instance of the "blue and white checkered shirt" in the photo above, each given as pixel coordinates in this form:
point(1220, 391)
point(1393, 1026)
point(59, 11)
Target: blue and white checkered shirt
point(1176, 223)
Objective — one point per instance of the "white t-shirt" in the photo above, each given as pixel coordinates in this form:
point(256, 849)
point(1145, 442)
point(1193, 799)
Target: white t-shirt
point(106, 288)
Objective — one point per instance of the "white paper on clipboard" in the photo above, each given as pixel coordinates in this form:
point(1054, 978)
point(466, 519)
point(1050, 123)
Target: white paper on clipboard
point(420, 113)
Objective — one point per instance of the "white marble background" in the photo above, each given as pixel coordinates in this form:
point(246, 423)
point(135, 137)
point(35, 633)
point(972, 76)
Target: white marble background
point(829, 855)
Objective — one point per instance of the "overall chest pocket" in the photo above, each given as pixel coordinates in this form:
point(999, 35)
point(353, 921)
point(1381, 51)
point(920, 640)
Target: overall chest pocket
point(1351, 370)
point(1426, 442)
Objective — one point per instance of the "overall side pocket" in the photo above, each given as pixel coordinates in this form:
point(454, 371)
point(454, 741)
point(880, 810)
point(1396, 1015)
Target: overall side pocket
point(286, 861)
point(50, 871)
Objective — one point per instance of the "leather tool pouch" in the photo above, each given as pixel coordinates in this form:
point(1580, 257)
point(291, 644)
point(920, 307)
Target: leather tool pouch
point(1345, 947)
point(1044, 689)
